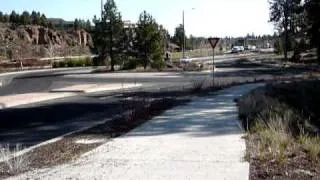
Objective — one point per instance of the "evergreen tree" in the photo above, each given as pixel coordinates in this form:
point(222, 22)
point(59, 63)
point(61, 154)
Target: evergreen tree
point(179, 36)
point(313, 23)
point(285, 14)
point(6, 18)
point(127, 45)
point(25, 18)
point(87, 26)
point(35, 18)
point(14, 17)
point(43, 21)
point(149, 42)
point(76, 24)
point(1, 17)
point(107, 33)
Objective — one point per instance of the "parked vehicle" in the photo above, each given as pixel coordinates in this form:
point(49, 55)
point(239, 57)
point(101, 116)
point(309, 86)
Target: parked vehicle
point(236, 49)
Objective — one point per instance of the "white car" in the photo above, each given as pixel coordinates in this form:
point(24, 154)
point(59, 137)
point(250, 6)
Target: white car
point(186, 59)
point(235, 49)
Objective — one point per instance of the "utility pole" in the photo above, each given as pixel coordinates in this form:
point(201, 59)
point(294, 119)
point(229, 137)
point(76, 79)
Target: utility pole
point(101, 9)
point(184, 37)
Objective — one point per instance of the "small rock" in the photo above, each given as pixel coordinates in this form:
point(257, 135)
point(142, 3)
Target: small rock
point(306, 172)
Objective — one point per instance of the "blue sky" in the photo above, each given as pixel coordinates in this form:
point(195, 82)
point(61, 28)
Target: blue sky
point(209, 18)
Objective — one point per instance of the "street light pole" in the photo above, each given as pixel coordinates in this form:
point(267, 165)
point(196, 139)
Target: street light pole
point(184, 37)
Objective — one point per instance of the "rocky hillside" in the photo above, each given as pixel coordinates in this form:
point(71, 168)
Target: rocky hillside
point(36, 41)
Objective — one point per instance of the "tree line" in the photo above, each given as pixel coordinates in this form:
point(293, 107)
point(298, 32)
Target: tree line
point(298, 25)
point(82, 24)
point(128, 44)
point(37, 18)
point(26, 18)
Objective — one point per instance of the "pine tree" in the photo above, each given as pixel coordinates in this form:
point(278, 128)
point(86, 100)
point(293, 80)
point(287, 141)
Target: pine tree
point(1, 17)
point(107, 33)
point(179, 36)
point(313, 23)
point(285, 14)
point(149, 40)
point(25, 18)
point(76, 24)
point(43, 21)
point(87, 26)
point(14, 17)
point(6, 18)
point(35, 19)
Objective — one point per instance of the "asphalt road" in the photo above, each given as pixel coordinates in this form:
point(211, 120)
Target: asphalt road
point(31, 124)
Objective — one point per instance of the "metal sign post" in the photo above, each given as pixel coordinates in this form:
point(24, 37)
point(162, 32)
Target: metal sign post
point(213, 42)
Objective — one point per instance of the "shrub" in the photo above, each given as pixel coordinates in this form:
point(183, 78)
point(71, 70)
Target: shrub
point(56, 65)
point(88, 61)
point(311, 145)
point(96, 61)
point(71, 63)
point(130, 64)
point(10, 54)
point(79, 62)
point(62, 64)
point(159, 65)
point(271, 141)
point(14, 163)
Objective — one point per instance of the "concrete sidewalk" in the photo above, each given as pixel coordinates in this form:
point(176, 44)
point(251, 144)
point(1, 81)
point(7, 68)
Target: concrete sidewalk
point(200, 140)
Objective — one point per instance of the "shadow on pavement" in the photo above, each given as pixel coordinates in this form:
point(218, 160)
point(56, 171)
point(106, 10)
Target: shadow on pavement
point(30, 126)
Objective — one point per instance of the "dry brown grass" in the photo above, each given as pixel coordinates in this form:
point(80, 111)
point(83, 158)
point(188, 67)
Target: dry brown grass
point(271, 141)
point(12, 162)
point(276, 131)
point(311, 145)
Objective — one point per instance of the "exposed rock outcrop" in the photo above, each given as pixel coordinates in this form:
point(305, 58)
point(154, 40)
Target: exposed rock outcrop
point(36, 41)
point(37, 35)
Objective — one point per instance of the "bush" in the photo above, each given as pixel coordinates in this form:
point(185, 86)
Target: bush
point(10, 54)
point(62, 64)
point(96, 61)
point(159, 65)
point(14, 163)
point(311, 145)
point(88, 61)
point(71, 63)
point(81, 62)
point(130, 64)
point(55, 65)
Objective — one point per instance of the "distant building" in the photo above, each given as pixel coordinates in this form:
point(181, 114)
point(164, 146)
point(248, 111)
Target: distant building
point(129, 24)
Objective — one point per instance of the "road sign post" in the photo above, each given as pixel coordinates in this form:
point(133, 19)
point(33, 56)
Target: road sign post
point(213, 43)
